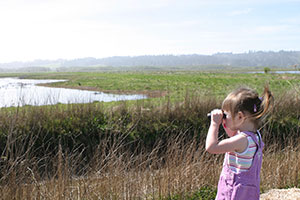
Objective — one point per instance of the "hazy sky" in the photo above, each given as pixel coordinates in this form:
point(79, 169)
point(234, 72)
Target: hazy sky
point(51, 29)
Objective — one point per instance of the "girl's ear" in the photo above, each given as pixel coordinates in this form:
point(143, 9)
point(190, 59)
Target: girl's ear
point(240, 115)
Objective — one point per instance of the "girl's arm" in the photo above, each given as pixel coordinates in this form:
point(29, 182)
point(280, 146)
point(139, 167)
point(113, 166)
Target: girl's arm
point(236, 143)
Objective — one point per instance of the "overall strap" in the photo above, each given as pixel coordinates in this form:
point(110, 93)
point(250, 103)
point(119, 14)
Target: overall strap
point(261, 144)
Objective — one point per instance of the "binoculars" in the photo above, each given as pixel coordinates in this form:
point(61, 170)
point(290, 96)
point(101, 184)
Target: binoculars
point(209, 115)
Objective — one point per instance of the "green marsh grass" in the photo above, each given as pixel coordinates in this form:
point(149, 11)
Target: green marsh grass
point(173, 83)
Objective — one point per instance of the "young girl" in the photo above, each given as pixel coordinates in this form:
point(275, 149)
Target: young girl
point(243, 111)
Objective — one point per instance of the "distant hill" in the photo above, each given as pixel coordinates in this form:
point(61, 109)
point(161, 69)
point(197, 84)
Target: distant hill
point(281, 59)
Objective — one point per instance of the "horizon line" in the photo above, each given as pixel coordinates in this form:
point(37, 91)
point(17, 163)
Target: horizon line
point(78, 58)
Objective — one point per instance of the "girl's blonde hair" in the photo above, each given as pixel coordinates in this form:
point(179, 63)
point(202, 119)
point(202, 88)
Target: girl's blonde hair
point(247, 101)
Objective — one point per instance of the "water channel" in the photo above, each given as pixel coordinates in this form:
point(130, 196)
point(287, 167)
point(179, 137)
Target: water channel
point(276, 72)
point(19, 92)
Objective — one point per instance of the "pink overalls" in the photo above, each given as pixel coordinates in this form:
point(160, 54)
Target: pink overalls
point(243, 185)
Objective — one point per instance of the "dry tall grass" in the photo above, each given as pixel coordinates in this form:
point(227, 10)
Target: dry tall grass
point(183, 169)
point(119, 168)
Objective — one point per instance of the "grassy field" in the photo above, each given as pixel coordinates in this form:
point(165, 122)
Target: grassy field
point(175, 84)
point(145, 149)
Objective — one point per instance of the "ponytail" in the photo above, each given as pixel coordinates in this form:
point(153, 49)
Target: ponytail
point(267, 101)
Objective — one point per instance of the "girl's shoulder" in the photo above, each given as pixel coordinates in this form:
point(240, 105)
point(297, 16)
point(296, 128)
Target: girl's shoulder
point(243, 134)
point(250, 134)
point(243, 142)
point(251, 145)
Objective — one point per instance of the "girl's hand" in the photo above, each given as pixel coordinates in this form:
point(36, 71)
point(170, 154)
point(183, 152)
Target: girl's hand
point(216, 117)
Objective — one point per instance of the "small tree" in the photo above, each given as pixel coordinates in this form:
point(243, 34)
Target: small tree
point(267, 70)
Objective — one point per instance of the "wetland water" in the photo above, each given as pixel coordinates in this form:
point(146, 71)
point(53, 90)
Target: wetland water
point(276, 72)
point(19, 92)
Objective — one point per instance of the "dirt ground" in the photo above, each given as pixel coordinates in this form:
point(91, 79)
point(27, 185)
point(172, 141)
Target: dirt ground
point(281, 194)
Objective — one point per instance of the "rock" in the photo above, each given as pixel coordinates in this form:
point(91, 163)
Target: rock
point(280, 194)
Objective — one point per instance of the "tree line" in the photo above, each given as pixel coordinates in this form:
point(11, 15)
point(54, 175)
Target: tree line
point(280, 59)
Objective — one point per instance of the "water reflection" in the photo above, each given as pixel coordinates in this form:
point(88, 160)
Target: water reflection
point(276, 72)
point(20, 92)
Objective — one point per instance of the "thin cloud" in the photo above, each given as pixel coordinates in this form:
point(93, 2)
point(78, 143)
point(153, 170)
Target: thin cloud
point(271, 29)
point(291, 21)
point(240, 12)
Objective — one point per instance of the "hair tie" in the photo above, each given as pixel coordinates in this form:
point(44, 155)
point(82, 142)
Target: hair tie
point(255, 108)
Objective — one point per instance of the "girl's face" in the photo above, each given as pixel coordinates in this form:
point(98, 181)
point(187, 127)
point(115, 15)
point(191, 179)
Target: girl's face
point(229, 124)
